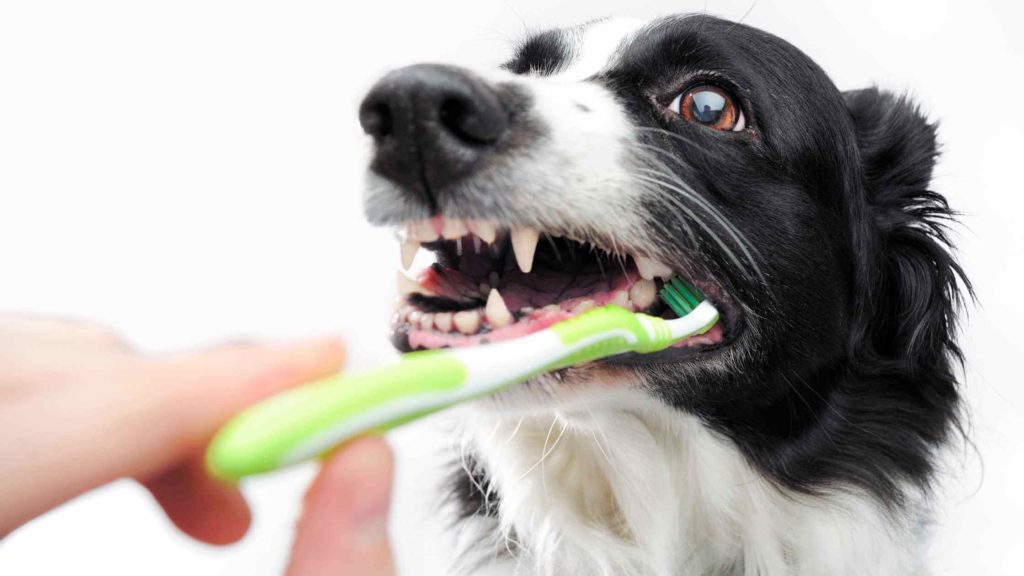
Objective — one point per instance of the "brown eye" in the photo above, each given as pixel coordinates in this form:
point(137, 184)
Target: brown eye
point(711, 107)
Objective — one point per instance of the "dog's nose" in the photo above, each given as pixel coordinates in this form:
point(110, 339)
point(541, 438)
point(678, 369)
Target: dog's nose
point(431, 124)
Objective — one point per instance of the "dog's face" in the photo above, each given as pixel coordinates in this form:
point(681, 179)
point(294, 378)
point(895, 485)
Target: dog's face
point(602, 159)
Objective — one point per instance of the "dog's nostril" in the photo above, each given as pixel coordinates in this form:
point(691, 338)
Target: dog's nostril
point(452, 112)
point(376, 119)
point(468, 122)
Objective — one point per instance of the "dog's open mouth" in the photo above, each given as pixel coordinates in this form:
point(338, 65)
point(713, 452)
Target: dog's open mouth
point(490, 283)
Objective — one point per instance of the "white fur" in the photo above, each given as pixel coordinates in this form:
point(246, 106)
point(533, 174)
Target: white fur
point(613, 482)
point(586, 151)
point(596, 46)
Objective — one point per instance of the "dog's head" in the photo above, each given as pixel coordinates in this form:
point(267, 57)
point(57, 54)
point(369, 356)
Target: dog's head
point(604, 158)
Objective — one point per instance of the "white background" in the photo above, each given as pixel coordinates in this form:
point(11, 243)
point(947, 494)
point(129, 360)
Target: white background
point(189, 172)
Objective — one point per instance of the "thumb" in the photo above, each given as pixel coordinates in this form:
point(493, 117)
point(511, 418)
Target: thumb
point(343, 528)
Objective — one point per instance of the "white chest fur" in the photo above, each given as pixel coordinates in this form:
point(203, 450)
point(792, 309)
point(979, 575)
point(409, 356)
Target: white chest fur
point(632, 487)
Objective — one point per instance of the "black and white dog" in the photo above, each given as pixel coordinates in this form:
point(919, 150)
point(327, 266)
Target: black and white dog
point(801, 434)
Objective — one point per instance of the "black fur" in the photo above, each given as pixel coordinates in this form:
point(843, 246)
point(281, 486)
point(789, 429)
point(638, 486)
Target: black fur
point(849, 379)
point(544, 53)
point(846, 370)
point(839, 286)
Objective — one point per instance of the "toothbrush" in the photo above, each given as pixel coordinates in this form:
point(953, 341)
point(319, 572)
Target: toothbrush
point(308, 421)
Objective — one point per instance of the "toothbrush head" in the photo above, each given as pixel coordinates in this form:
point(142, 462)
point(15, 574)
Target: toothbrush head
point(681, 296)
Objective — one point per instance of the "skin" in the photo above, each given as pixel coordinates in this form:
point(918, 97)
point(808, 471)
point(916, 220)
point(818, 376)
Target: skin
point(79, 409)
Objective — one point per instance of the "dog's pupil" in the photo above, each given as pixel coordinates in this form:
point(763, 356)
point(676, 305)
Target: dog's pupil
point(707, 106)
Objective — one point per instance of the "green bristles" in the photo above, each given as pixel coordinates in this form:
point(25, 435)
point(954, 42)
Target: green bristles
point(680, 296)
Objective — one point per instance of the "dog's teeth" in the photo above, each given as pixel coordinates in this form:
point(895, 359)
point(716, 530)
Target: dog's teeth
point(453, 228)
point(496, 311)
point(409, 250)
point(649, 268)
point(427, 321)
point(552, 308)
point(422, 231)
point(414, 317)
point(443, 321)
point(583, 306)
point(467, 321)
point(621, 298)
point(483, 229)
point(643, 293)
point(524, 244)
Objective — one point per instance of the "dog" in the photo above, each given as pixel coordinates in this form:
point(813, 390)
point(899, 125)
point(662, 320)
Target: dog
point(801, 434)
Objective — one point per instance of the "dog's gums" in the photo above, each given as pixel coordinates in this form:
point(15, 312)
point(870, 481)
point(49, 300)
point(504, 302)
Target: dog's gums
point(491, 284)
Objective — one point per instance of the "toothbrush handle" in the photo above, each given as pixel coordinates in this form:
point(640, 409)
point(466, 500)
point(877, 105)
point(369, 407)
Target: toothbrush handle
point(307, 421)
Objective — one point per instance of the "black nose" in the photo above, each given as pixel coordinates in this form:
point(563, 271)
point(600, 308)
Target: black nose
point(432, 125)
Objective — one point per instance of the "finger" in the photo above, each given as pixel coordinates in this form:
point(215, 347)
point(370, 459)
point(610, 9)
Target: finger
point(34, 330)
point(146, 417)
point(343, 527)
point(200, 506)
point(191, 396)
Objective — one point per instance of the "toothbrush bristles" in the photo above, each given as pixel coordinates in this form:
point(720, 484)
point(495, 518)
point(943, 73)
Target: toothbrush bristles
point(680, 296)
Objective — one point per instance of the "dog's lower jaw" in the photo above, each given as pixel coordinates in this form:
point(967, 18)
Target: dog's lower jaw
point(628, 486)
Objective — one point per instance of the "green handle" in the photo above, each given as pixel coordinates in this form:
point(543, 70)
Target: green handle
point(272, 433)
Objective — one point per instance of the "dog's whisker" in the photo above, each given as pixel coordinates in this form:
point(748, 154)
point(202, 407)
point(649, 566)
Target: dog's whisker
point(690, 194)
point(515, 430)
point(545, 451)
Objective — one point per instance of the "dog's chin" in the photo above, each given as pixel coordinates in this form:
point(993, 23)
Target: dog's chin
point(489, 283)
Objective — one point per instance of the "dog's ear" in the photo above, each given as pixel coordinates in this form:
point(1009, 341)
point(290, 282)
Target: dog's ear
point(912, 294)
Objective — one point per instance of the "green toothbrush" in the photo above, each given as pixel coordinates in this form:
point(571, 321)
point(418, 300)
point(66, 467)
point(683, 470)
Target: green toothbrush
point(306, 422)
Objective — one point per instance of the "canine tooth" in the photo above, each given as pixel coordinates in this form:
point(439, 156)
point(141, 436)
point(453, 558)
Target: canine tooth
point(422, 231)
point(453, 228)
point(427, 321)
point(650, 268)
point(621, 298)
point(643, 293)
point(484, 229)
point(496, 311)
point(524, 244)
point(409, 249)
point(443, 321)
point(467, 321)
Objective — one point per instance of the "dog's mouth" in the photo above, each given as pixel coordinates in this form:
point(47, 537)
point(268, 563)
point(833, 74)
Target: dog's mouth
point(490, 283)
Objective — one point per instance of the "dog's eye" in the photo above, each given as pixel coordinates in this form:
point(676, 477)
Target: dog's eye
point(709, 106)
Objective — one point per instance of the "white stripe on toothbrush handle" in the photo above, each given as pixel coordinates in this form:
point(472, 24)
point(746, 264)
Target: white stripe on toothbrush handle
point(488, 368)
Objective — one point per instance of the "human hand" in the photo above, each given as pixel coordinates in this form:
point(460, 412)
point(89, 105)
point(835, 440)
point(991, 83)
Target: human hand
point(79, 409)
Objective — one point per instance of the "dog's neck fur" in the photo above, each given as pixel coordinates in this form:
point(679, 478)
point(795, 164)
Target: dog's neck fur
point(669, 496)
